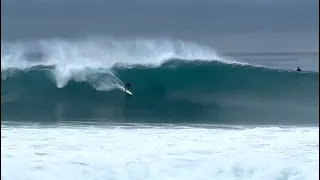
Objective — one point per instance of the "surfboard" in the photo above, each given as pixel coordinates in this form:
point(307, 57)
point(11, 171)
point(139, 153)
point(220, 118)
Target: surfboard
point(126, 90)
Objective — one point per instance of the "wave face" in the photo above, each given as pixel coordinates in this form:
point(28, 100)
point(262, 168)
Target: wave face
point(173, 81)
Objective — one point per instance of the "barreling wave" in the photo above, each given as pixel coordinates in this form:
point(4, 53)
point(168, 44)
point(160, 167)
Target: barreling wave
point(172, 82)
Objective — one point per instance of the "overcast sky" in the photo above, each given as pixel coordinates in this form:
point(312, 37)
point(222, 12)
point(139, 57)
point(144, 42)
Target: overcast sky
point(227, 24)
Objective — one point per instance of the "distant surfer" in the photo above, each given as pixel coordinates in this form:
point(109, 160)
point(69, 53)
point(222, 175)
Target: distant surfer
point(298, 69)
point(127, 86)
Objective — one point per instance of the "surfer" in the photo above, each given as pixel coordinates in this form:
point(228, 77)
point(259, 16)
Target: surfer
point(298, 69)
point(127, 86)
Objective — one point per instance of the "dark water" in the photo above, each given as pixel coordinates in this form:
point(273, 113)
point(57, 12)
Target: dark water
point(176, 91)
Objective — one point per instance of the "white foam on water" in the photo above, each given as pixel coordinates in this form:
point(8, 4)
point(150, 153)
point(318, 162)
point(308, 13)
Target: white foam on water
point(138, 153)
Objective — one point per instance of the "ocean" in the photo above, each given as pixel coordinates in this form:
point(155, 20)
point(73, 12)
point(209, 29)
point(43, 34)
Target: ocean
point(211, 99)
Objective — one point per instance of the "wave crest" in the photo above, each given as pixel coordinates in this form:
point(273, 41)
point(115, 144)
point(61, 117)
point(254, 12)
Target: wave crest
point(75, 59)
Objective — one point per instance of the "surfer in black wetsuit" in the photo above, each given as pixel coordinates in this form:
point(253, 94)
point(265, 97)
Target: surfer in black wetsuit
point(127, 86)
point(298, 69)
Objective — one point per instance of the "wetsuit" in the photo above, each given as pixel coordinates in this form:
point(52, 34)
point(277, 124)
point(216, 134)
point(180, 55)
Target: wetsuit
point(128, 85)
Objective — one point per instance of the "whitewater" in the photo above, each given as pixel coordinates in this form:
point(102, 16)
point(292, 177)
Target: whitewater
point(131, 151)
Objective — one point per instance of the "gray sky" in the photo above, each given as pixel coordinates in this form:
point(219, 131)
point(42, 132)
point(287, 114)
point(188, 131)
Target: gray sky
point(242, 25)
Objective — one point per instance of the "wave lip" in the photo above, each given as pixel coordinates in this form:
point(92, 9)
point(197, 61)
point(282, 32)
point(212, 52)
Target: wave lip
point(74, 60)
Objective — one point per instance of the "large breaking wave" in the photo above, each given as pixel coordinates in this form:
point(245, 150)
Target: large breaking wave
point(173, 81)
